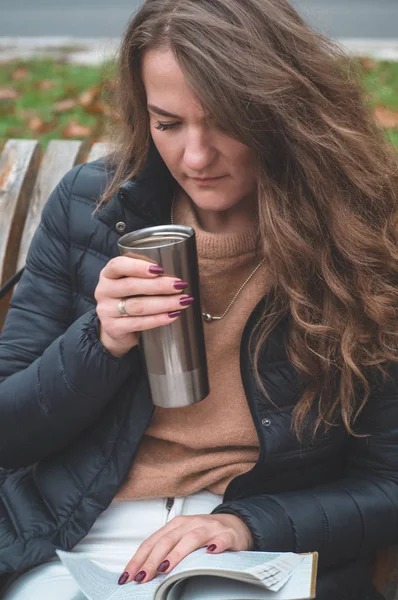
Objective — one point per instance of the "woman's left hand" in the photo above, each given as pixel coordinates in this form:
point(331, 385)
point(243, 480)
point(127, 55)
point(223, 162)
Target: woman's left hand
point(163, 550)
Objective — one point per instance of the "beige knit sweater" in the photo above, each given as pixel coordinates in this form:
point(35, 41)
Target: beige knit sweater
point(206, 445)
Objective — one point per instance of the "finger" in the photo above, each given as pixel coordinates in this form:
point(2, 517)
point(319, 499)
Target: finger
point(220, 543)
point(144, 550)
point(196, 538)
point(191, 533)
point(136, 286)
point(239, 532)
point(165, 549)
point(143, 306)
point(126, 266)
point(119, 328)
point(147, 546)
point(191, 541)
point(167, 552)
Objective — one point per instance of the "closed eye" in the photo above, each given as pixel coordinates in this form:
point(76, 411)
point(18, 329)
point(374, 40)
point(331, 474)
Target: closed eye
point(164, 126)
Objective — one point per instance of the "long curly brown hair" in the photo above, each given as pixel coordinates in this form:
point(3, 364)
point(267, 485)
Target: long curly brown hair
point(327, 181)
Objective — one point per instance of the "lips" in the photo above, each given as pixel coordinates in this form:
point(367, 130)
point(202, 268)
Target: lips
point(207, 179)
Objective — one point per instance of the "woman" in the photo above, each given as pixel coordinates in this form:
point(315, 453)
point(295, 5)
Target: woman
point(240, 121)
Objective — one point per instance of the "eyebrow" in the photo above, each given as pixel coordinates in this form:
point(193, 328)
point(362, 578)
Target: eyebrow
point(160, 111)
point(165, 113)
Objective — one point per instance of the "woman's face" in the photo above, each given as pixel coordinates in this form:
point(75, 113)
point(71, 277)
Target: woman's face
point(192, 146)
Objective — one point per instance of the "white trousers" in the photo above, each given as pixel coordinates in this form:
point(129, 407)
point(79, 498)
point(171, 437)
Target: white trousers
point(111, 542)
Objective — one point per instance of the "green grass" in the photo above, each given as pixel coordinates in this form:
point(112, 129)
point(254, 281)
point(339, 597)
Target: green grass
point(393, 137)
point(381, 81)
point(33, 114)
point(68, 82)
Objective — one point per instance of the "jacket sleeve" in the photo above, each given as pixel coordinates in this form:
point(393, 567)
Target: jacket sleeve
point(55, 375)
point(345, 519)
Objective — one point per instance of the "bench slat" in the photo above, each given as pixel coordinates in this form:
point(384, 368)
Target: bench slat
point(19, 164)
point(59, 157)
point(98, 150)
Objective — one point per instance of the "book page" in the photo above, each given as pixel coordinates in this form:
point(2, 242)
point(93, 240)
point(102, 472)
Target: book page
point(300, 584)
point(227, 561)
point(208, 587)
point(270, 569)
point(97, 583)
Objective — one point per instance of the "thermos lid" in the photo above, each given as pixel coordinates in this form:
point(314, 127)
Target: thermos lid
point(156, 237)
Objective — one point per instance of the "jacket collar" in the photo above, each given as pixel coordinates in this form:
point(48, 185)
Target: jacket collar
point(147, 196)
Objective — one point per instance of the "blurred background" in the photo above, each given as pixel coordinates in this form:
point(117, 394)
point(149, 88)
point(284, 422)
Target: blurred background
point(92, 18)
point(56, 61)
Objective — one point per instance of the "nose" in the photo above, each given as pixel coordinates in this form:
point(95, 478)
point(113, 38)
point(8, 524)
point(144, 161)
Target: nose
point(199, 152)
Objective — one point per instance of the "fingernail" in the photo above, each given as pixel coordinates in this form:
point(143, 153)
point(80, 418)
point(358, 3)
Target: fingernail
point(140, 576)
point(174, 314)
point(187, 301)
point(123, 578)
point(156, 269)
point(212, 548)
point(163, 566)
point(180, 285)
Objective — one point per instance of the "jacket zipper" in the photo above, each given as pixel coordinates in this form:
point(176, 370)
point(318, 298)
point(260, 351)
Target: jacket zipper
point(169, 506)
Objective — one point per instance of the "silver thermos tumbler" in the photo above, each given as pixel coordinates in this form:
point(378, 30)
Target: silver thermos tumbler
point(175, 355)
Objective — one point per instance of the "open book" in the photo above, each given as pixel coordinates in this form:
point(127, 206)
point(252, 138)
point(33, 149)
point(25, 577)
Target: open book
point(203, 576)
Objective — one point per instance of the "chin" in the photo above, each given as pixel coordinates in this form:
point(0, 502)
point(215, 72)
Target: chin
point(210, 197)
point(212, 203)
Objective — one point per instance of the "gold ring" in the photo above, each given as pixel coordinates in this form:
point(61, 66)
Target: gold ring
point(122, 308)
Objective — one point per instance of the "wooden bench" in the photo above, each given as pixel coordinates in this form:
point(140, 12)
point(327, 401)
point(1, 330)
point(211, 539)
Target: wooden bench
point(26, 180)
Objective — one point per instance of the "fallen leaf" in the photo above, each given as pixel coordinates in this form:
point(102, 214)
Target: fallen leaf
point(38, 125)
point(64, 105)
point(20, 73)
point(386, 117)
point(75, 129)
point(90, 97)
point(8, 93)
point(47, 84)
point(95, 109)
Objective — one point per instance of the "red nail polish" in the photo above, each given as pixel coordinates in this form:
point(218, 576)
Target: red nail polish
point(175, 313)
point(163, 566)
point(156, 269)
point(140, 576)
point(123, 578)
point(180, 285)
point(187, 301)
point(212, 548)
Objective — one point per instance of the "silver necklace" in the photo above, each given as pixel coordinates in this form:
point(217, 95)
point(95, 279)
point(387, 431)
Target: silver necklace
point(207, 316)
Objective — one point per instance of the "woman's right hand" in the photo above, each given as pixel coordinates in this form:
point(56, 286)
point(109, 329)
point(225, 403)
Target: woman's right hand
point(151, 298)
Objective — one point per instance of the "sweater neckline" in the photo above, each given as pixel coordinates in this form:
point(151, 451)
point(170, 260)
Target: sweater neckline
point(215, 245)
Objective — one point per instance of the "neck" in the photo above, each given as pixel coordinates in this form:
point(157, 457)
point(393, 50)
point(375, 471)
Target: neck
point(228, 221)
point(237, 219)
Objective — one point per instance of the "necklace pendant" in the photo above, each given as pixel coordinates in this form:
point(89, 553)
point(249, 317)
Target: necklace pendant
point(207, 317)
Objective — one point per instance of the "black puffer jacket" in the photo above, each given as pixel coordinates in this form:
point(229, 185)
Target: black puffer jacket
point(72, 416)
